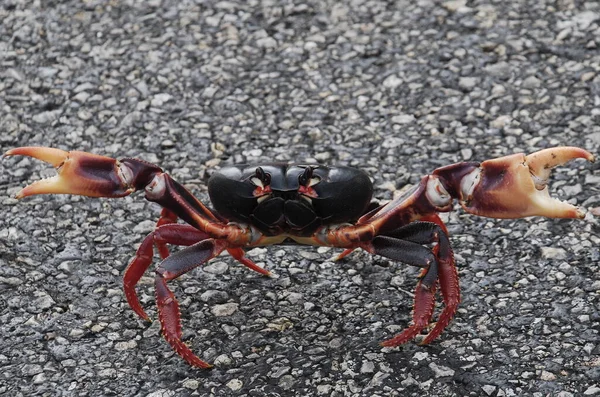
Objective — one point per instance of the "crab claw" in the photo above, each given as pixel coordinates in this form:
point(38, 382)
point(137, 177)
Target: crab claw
point(86, 174)
point(515, 186)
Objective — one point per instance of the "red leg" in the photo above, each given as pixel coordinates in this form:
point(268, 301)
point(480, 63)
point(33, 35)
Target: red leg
point(412, 253)
point(434, 218)
point(343, 254)
point(169, 233)
point(449, 285)
point(135, 270)
point(396, 246)
point(168, 307)
point(450, 288)
point(422, 312)
point(166, 216)
point(239, 255)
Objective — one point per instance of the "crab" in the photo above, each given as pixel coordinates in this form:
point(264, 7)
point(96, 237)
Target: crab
point(309, 204)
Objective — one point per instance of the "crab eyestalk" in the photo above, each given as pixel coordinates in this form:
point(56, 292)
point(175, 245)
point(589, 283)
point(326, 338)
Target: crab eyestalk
point(86, 174)
point(513, 186)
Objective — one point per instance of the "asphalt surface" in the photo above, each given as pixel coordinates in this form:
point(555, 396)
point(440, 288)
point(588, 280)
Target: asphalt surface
point(395, 88)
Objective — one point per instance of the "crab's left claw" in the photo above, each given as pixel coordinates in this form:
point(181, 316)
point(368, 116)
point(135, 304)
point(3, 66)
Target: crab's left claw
point(513, 186)
point(86, 174)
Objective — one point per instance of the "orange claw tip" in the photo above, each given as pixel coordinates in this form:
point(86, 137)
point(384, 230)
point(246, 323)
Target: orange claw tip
point(44, 186)
point(47, 154)
point(551, 157)
point(54, 185)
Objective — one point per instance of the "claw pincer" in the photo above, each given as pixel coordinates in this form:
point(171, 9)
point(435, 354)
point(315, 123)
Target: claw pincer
point(86, 174)
point(513, 186)
point(308, 204)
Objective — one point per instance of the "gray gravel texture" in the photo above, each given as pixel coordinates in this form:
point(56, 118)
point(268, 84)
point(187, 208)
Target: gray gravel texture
point(396, 88)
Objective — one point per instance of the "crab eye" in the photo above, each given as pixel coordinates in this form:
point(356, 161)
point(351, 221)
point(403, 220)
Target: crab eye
point(305, 181)
point(307, 178)
point(261, 178)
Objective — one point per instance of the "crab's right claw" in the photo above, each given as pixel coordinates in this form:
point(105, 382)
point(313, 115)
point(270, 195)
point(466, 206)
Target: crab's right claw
point(515, 186)
point(512, 186)
point(86, 174)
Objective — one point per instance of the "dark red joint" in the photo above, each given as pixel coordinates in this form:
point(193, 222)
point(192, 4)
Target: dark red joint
point(452, 175)
point(142, 171)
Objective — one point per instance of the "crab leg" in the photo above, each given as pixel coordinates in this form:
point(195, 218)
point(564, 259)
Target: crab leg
point(166, 216)
point(450, 288)
point(170, 233)
point(424, 301)
point(447, 273)
point(432, 229)
point(439, 266)
point(168, 307)
point(423, 306)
